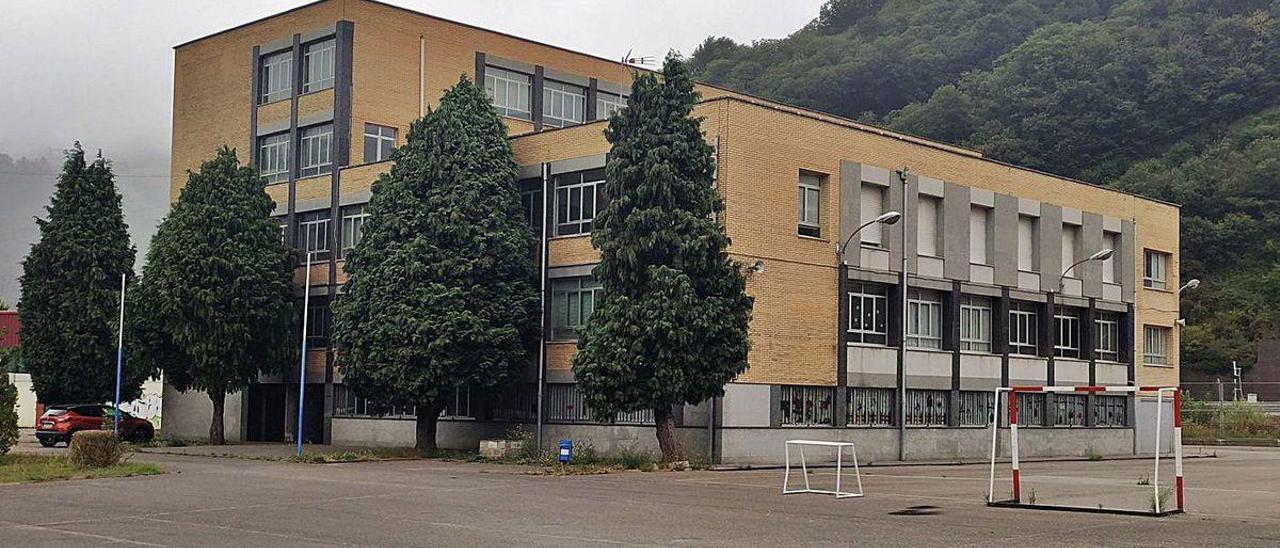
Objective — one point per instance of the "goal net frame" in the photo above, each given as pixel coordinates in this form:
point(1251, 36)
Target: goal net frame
point(1157, 510)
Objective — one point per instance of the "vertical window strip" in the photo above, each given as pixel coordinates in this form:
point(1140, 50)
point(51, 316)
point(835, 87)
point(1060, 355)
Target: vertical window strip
point(275, 77)
point(563, 104)
point(924, 319)
point(273, 158)
point(316, 147)
point(579, 197)
point(353, 220)
point(810, 205)
point(510, 92)
point(868, 313)
point(1067, 322)
point(379, 142)
point(1106, 337)
point(975, 324)
point(1153, 348)
point(572, 302)
point(1022, 328)
point(317, 60)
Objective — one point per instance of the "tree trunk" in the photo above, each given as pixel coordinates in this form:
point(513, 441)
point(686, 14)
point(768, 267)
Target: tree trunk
point(665, 424)
point(216, 436)
point(426, 428)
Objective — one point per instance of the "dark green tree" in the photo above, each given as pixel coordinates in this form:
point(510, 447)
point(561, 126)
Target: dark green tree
point(215, 305)
point(671, 326)
point(442, 291)
point(71, 288)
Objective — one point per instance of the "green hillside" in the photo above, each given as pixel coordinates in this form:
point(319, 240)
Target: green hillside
point(1173, 99)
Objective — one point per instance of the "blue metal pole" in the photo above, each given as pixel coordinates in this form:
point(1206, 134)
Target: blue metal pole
point(115, 412)
point(302, 364)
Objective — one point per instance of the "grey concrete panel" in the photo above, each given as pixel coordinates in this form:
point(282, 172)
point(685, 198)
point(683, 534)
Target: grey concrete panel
point(910, 222)
point(1091, 237)
point(850, 209)
point(1050, 227)
point(577, 164)
point(893, 235)
point(955, 231)
point(1005, 260)
point(1128, 255)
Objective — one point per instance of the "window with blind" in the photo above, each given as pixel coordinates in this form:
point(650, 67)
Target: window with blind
point(929, 218)
point(980, 236)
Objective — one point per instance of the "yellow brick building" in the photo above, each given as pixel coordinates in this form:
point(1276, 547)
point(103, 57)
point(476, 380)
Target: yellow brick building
point(317, 96)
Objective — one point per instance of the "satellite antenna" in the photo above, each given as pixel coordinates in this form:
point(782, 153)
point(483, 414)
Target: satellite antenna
point(629, 60)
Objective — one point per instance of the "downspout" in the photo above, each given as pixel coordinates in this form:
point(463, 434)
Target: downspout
point(542, 309)
point(902, 341)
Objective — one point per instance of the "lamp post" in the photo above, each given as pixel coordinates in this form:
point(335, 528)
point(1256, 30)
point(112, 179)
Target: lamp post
point(842, 314)
point(1053, 312)
point(1191, 284)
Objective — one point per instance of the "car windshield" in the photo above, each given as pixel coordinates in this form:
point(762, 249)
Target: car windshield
point(89, 411)
point(54, 412)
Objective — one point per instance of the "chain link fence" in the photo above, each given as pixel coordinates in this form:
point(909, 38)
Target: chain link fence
point(1229, 413)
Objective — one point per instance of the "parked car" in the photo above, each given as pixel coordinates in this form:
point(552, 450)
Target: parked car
point(59, 422)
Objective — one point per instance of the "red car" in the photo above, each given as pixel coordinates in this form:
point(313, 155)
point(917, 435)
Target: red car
point(59, 422)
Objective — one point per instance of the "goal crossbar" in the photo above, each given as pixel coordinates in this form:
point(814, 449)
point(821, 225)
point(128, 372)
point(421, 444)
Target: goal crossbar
point(1175, 397)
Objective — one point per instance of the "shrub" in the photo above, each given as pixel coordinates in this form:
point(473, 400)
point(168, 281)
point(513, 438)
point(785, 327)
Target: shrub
point(8, 414)
point(94, 449)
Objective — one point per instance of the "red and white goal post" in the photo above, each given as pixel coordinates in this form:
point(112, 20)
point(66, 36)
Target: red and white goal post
point(1160, 392)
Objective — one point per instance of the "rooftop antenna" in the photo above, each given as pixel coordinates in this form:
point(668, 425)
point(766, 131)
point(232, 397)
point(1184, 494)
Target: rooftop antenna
point(629, 60)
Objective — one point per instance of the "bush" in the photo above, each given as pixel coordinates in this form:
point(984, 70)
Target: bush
point(94, 449)
point(8, 414)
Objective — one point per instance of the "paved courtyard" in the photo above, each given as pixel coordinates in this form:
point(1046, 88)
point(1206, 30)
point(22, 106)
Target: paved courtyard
point(1233, 499)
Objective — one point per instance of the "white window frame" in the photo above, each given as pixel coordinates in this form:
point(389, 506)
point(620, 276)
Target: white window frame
point(1067, 322)
point(510, 91)
point(1024, 320)
point(570, 193)
point(975, 323)
point(809, 214)
point(570, 300)
point(872, 298)
point(353, 220)
point(871, 205)
point(315, 150)
point(1106, 336)
point(1155, 269)
point(563, 104)
point(924, 319)
point(383, 140)
point(608, 103)
point(275, 76)
point(313, 233)
point(1155, 345)
point(318, 60)
point(273, 158)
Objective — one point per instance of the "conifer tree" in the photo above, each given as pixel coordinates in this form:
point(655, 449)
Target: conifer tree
point(671, 325)
point(71, 288)
point(215, 305)
point(441, 293)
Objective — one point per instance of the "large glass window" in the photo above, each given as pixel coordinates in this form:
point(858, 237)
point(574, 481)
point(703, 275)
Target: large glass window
point(929, 210)
point(572, 301)
point(275, 77)
point(871, 206)
point(980, 236)
point(353, 219)
point(975, 323)
point(1066, 321)
point(1154, 345)
point(319, 324)
point(810, 200)
point(510, 91)
point(313, 234)
point(924, 318)
point(563, 104)
point(316, 149)
point(379, 142)
point(1028, 255)
point(1106, 336)
point(868, 313)
point(317, 65)
point(1022, 328)
point(608, 103)
point(531, 203)
point(579, 197)
point(1154, 266)
point(273, 158)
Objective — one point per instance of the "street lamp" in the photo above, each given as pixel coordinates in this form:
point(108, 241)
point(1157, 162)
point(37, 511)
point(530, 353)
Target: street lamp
point(887, 218)
point(1099, 256)
point(1192, 284)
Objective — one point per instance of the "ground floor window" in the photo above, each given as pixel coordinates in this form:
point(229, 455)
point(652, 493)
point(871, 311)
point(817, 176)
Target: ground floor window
point(1069, 409)
point(1030, 409)
point(807, 405)
point(348, 404)
point(516, 403)
point(1111, 410)
point(870, 406)
point(975, 408)
point(565, 403)
point(928, 407)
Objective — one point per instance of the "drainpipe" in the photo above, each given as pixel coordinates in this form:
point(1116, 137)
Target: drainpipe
point(542, 309)
point(902, 342)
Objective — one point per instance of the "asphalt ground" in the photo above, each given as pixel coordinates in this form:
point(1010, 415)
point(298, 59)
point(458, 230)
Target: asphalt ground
point(1233, 499)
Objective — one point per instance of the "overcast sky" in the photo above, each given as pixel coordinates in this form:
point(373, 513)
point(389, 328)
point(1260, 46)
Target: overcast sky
point(101, 72)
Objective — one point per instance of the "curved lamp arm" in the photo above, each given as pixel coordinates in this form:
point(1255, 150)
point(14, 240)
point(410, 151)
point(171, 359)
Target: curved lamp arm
point(1099, 256)
point(888, 218)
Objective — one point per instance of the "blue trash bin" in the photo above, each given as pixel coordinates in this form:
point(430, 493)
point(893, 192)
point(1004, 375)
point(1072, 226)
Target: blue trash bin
point(566, 451)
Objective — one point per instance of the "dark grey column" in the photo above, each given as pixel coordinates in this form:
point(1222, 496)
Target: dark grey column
point(951, 339)
point(1090, 272)
point(254, 77)
point(1049, 338)
point(909, 222)
point(1087, 328)
point(341, 155)
point(851, 211)
point(894, 235)
point(535, 100)
point(1005, 217)
point(955, 231)
point(1128, 253)
point(1050, 246)
point(1130, 353)
point(1000, 325)
point(593, 90)
point(480, 63)
point(842, 346)
point(293, 141)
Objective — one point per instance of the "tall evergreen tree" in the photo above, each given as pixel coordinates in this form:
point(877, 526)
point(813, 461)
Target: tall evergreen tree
point(215, 305)
point(71, 288)
point(671, 327)
point(441, 293)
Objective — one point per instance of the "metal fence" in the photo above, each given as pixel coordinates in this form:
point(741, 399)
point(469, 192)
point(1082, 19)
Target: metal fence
point(975, 408)
point(1243, 413)
point(870, 406)
point(928, 407)
point(807, 405)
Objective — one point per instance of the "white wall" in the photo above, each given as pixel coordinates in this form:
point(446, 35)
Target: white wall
point(26, 405)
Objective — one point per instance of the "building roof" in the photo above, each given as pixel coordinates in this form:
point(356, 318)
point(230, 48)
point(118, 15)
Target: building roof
point(9, 328)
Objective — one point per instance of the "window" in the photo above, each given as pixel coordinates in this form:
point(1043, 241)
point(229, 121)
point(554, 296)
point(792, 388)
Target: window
point(928, 407)
point(379, 141)
point(980, 236)
point(566, 404)
point(869, 406)
point(810, 205)
point(1153, 272)
point(1030, 409)
point(347, 404)
point(316, 148)
point(928, 210)
point(1106, 336)
point(1028, 259)
point(872, 206)
point(353, 219)
point(319, 324)
point(1070, 244)
point(563, 104)
point(457, 405)
point(284, 230)
point(608, 103)
point(317, 66)
point(531, 203)
point(1110, 266)
point(273, 158)
point(1110, 410)
point(924, 318)
point(275, 77)
point(572, 301)
point(1154, 341)
point(510, 92)
point(976, 408)
point(1022, 328)
point(868, 313)
point(313, 235)
point(579, 197)
point(807, 405)
point(1067, 321)
point(1069, 409)
point(975, 323)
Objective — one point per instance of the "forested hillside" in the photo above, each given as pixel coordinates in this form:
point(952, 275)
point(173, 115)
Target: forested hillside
point(1173, 99)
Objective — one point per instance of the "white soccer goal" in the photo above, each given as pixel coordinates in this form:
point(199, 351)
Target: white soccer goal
point(1161, 392)
point(839, 446)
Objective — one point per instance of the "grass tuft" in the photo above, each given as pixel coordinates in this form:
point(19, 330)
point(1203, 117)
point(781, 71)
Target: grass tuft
point(26, 468)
